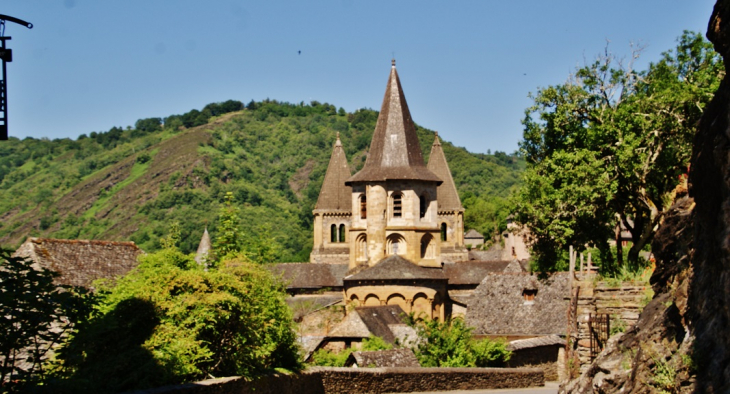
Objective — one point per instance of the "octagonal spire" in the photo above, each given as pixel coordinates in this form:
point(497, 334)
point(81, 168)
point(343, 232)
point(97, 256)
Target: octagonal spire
point(395, 153)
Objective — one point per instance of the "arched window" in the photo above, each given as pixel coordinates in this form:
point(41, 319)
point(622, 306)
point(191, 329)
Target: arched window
point(397, 205)
point(443, 231)
point(363, 207)
point(333, 233)
point(361, 253)
point(427, 247)
point(342, 233)
point(396, 244)
point(424, 205)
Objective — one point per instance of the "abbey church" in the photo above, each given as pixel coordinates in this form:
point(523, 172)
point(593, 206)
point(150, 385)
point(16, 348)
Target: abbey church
point(391, 238)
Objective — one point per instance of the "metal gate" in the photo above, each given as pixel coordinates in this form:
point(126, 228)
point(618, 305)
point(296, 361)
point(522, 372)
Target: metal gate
point(599, 326)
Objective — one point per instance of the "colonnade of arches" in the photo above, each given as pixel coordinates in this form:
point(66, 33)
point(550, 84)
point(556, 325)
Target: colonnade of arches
point(420, 304)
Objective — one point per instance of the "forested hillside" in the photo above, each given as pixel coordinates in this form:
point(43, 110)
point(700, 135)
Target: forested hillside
point(133, 183)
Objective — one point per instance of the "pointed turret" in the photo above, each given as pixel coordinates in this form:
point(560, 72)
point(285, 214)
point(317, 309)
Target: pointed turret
point(201, 256)
point(447, 196)
point(395, 153)
point(334, 195)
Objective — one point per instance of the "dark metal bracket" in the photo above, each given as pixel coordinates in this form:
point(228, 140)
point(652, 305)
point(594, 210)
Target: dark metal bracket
point(6, 55)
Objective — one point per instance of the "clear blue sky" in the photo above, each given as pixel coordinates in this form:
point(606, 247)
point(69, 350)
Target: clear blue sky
point(466, 66)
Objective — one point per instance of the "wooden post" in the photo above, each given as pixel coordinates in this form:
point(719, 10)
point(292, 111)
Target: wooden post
point(590, 263)
point(581, 263)
point(572, 267)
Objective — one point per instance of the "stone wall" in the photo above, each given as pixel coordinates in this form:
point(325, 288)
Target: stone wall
point(366, 380)
point(544, 358)
point(623, 303)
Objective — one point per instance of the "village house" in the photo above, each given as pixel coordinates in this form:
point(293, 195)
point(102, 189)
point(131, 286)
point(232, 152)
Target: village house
point(81, 262)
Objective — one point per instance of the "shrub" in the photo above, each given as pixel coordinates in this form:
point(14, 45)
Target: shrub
point(451, 344)
point(164, 324)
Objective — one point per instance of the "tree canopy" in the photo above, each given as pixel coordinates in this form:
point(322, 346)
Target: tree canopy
point(171, 321)
point(608, 148)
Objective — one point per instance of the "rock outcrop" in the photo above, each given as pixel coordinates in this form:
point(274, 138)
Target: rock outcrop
point(655, 355)
point(682, 342)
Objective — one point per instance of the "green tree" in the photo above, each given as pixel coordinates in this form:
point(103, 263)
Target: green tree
point(30, 306)
point(228, 242)
point(164, 324)
point(608, 148)
point(451, 344)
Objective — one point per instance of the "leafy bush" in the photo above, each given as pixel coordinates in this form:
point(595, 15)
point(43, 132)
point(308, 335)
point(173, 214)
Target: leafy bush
point(165, 324)
point(373, 343)
point(327, 358)
point(451, 344)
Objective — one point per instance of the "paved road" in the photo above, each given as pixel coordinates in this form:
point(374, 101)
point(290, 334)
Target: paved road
point(550, 388)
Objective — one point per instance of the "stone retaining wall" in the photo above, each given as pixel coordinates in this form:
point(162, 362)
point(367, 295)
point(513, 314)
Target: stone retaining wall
point(405, 380)
point(623, 303)
point(320, 380)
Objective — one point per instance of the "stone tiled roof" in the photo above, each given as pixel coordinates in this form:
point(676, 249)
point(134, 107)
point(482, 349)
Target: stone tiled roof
point(472, 272)
point(548, 340)
point(384, 358)
point(303, 305)
point(378, 318)
point(485, 255)
point(473, 234)
point(367, 320)
point(309, 275)
point(447, 196)
point(394, 151)
point(309, 344)
point(498, 306)
point(335, 195)
point(396, 267)
point(351, 326)
point(80, 262)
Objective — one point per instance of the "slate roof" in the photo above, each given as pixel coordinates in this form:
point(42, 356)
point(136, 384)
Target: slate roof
point(309, 275)
point(548, 340)
point(473, 234)
point(384, 358)
point(203, 248)
point(80, 262)
point(366, 320)
point(472, 272)
point(447, 196)
point(395, 152)
point(498, 307)
point(335, 195)
point(396, 267)
point(304, 305)
point(486, 255)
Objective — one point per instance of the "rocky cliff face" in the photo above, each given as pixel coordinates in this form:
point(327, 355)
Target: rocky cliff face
point(709, 296)
point(656, 354)
point(681, 343)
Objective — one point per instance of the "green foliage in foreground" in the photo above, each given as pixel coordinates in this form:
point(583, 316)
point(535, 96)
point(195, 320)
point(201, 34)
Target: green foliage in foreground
point(326, 358)
point(171, 322)
point(608, 148)
point(451, 344)
point(30, 304)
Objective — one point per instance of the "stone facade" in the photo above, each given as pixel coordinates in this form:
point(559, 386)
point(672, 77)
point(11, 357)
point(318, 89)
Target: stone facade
point(395, 204)
point(397, 281)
